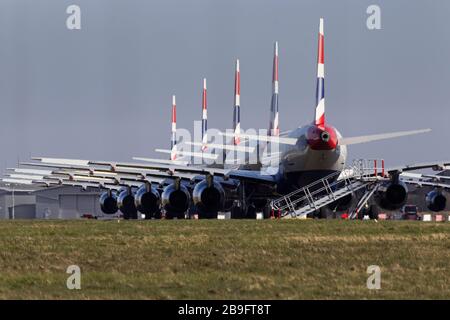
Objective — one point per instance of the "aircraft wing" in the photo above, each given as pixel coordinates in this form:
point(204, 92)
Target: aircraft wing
point(382, 136)
point(152, 170)
point(423, 180)
point(434, 165)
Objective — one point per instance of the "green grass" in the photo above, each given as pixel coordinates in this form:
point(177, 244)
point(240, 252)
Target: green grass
point(272, 259)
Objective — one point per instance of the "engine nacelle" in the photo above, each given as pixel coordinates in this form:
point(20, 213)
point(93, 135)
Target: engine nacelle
point(392, 195)
point(176, 198)
point(125, 203)
point(209, 196)
point(147, 199)
point(436, 201)
point(108, 202)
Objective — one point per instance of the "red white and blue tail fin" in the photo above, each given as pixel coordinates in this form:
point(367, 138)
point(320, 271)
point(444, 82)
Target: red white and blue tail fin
point(237, 105)
point(274, 128)
point(173, 141)
point(320, 94)
point(204, 117)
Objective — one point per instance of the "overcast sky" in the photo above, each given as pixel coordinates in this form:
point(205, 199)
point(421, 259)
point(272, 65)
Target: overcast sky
point(104, 92)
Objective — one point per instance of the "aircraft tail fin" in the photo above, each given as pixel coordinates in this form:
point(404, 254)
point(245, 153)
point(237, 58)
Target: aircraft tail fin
point(274, 128)
point(173, 142)
point(204, 117)
point(320, 94)
point(237, 105)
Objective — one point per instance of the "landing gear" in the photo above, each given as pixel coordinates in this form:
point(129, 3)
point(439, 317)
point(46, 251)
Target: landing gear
point(172, 215)
point(323, 213)
point(251, 212)
point(207, 215)
point(155, 215)
point(267, 211)
point(373, 212)
point(130, 215)
point(236, 211)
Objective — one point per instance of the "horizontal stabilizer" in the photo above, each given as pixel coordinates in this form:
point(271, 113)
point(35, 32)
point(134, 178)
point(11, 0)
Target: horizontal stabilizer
point(223, 146)
point(25, 176)
point(190, 154)
point(382, 136)
point(31, 171)
point(75, 162)
point(279, 140)
point(17, 181)
point(164, 161)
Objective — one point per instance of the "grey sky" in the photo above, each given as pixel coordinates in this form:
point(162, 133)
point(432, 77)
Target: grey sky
point(104, 92)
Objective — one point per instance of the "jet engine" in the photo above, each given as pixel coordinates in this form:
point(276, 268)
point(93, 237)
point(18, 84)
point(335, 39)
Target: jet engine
point(392, 195)
point(176, 199)
point(147, 200)
point(108, 202)
point(125, 203)
point(209, 196)
point(435, 200)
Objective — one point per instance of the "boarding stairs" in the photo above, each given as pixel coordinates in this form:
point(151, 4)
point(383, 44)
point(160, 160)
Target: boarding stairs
point(363, 173)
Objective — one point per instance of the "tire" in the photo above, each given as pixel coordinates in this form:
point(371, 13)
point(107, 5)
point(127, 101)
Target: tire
point(251, 212)
point(157, 215)
point(236, 212)
point(170, 215)
point(373, 212)
point(130, 216)
point(148, 216)
point(325, 212)
point(207, 215)
point(267, 211)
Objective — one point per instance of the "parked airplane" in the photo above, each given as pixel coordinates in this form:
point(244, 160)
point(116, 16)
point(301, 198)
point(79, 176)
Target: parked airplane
point(307, 153)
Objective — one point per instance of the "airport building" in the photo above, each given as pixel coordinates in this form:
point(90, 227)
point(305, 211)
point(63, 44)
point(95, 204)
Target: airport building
point(61, 202)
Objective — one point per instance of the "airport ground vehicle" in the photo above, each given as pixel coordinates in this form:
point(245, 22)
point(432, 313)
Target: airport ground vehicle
point(410, 212)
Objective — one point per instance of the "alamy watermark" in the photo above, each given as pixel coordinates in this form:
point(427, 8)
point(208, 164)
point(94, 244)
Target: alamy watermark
point(373, 21)
point(374, 280)
point(74, 280)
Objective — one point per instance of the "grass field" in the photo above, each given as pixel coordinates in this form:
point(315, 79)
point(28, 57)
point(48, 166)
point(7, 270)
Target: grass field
point(223, 259)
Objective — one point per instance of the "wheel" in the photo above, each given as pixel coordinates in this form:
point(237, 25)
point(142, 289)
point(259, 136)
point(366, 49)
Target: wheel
point(207, 215)
point(325, 212)
point(236, 212)
point(181, 216)
point(157, 214)
point(267, 212)
point(251, 212)
point(170, 215)
point(130, 215)
point(373, 212)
